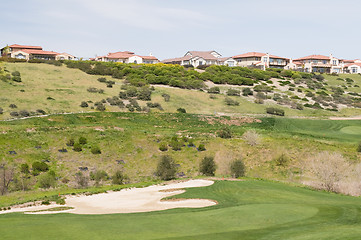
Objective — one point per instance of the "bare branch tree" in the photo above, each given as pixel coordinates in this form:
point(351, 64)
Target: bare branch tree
point(329, 168)
point(6, 176)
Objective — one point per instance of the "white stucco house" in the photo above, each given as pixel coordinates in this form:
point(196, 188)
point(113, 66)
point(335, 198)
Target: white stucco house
point(126, 57)
point(320, 63)
point(261, 60)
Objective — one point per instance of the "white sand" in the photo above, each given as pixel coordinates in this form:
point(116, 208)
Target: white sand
point(130, 200)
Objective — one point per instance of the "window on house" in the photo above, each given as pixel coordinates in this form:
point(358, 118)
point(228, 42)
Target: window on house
point(354, 69)
point(324, 61)
point(334, 62)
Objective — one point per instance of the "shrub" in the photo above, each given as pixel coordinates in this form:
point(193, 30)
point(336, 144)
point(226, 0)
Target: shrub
point(102, 79)
point(359, 147)
point(70, 142)
point(163, 146)
point(214, 90)
point(181, 110)
point(24, 168)
point(123, 95)
point(24, 113)
point(98, 176)
point(41, 111)
point(231, 102)
point(201, 147)
point(84, 104)
point(82, 140)
point(14, 114)
point(238, 169)
point(175, 144)
point(246, 92)
point(13, 106)
point(95, 90)
point(101, 107)
point(77, 147)
point(225, 132)
point(81, 180)
point(275, 111)
point(155, 105)
point(233, 92)
point(38, 167)
point(166, 168)
point(95, 150)
point(47, 180)
point(144, 94)
point(207, 166)
point(166, 97)
point(1, 110)
point(281, 160)
point(118, 178)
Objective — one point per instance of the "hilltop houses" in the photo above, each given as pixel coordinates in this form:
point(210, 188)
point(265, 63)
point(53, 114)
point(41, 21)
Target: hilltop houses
point(126, 57)
point(199, 58)
point(33, 52)
point(317, 63)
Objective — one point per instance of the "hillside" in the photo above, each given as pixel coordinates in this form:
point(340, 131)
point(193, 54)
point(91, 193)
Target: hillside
point(56, 89)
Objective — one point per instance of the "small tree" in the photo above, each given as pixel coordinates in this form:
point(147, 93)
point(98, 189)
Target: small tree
point(47, 180)
point(77, 147)
point(207, 166)
point(238, 169)
point(329, 168)
point(99, 176)
point(166, 168)
point(6, 176)
point(251, 137)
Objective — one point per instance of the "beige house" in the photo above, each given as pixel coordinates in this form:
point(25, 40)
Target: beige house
point(319, 63)
point(126, 57)
point(260, 60)
point(353, 67)
point(33, 52)
point(199, 58)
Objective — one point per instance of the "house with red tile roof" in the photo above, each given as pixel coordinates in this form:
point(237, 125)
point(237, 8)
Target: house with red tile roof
point(354, 67)
point(33, 52)
point(126, 57)
point(321, 64)
point(260, 60)
point(199, 58)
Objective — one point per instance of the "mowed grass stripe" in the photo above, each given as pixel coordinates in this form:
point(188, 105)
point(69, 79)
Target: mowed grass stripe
point(247, 210)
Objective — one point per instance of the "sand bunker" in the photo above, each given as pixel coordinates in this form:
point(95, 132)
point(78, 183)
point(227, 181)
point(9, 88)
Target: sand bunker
point(131, 200)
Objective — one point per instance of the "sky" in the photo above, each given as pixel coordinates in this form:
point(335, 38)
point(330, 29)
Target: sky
point(170, 28)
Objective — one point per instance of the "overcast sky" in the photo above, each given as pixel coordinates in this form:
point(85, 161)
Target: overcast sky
point(169, 28)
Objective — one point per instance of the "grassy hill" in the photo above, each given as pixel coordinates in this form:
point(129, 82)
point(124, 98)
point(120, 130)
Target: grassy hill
point(247, 210)
point(57, 89)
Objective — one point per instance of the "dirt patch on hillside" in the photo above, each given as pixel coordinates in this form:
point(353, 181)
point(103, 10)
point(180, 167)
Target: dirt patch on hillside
point(237, 121)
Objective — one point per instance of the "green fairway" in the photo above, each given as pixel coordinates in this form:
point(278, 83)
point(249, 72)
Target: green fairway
point(247, 210)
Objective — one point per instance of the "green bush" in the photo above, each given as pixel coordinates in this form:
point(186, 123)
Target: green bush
point(181, 110)
point(230, 102)
point(225, 132)
point(201, 147)
point(1, 110)
point(281, 160)
point(13, 106)
point(84, 104)
point(167, 168)
point(118, 178)
point(246, 92)
point(275, 111)
point(24, 168)
point(95, 150)
point(39, 167)
point(98, 176)
point(47, 180)
point(163, 146)
point(207, 166)
point(214, 90)
point(70, 142)
point(82, 140)
point(233, 92)
point(77, 147)
point(166, 97)
point(81, 180)
point(359, 147)
point(238, 168)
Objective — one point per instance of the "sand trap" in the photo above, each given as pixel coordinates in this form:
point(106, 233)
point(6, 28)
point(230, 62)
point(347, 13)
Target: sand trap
point(130, 200)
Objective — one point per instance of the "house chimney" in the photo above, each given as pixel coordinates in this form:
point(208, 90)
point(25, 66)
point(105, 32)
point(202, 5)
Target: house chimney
point(150, 54)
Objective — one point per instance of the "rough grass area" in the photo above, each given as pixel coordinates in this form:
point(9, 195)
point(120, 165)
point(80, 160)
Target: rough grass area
point(58, 89)
point(246, 210)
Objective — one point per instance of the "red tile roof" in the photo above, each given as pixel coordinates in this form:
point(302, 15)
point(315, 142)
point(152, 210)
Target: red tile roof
point(313, 57)
point(25, 47)
point(120, 55)
point(149, 57)
point(177, 59)
point(39, 52)
point(350, 64)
